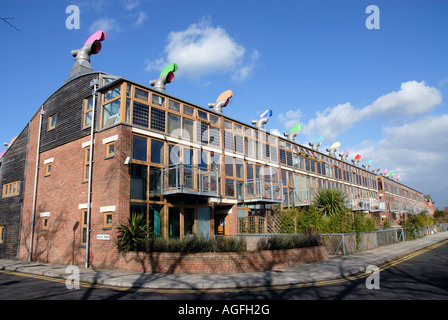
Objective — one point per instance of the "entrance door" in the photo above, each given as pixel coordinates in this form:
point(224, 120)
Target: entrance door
point(220, 224)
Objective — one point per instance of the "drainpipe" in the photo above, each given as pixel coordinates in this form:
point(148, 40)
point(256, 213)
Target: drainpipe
point(35, 184)
point(94, 85)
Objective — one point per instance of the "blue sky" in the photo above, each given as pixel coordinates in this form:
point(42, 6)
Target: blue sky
point(380, 92)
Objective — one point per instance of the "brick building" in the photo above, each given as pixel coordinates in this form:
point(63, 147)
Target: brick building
point(102, 147)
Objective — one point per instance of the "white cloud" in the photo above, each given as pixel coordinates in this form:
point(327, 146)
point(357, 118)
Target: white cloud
point(413, 98)
point(141, 18)
point(202, 49)
point(106, 24)
point(130, 4)
point(417, 152)
point(290, 118)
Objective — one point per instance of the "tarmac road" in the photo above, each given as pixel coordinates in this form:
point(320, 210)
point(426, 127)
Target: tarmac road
point(421, 275)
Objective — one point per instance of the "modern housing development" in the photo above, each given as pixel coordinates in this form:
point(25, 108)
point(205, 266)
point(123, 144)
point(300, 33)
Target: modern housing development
point(103, 147)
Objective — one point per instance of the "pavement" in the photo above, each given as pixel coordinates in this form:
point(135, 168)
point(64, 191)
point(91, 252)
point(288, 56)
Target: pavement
point(333, 268)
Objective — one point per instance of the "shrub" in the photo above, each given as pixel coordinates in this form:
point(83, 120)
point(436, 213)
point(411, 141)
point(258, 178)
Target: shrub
point(193, 244)
point(130, 236)
point(329, 202)
point(289, 242)
point(230, 244)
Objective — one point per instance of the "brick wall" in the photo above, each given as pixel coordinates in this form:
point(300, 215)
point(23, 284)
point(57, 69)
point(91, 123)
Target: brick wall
point(63, 195)
point(249, 261)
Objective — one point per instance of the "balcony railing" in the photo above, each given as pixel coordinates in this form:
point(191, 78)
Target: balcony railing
point(188, 179)
point(259, 190)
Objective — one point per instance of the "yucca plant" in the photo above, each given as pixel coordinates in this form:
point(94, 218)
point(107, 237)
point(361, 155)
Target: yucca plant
point(330, 202)
point(131, 235)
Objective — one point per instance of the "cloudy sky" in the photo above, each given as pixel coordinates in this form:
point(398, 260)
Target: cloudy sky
point(378, 91)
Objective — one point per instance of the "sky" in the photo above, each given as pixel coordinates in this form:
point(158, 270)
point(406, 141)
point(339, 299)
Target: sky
point(374, 80)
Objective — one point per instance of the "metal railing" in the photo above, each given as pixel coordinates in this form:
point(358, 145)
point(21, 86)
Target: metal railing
point(188, 179)
point(349, 243)
point(259, 190)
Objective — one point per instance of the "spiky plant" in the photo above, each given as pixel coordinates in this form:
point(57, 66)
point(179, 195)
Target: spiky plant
point(330, 202)
point(129, 236)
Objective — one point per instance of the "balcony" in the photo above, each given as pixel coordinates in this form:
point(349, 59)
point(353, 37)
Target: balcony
point(188, 179)
point(259, 190)
point(377, 205)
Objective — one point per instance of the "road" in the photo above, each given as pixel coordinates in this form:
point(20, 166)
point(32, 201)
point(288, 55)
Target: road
point(420, 276)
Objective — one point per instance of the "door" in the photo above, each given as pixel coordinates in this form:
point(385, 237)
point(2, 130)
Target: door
point(220, 224)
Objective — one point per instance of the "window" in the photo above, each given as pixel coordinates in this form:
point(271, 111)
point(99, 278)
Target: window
point(107, 219)
point(2, 234)
point(110, 149)
point(84, 227)
point(173, 123)
point(88, 108)
point(44, 223)
point(175, 106)
point(158, 100)
point(86, 164)
point(239, 168)
point(138, 181)
point(230, 188)
point(111, 113)
point(48, 169)
point(140, 115)
point(157, 151)
point(141, 94)
point(202, 115)
point(188, 111)
point(11, 189)
point(52, 122)
point(188, 127)
point(111, 94)
point(229, 166)
point(157, 119)
point(140, 148)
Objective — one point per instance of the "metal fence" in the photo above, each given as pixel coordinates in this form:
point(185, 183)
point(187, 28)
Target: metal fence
point(345, 243)
point(349, 243)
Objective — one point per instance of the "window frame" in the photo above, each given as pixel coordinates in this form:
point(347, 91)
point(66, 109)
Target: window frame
point(86, 164)
point(86, 112)
point(11, 189)
point(83, 227)
point(52, 122)
point(108, 153)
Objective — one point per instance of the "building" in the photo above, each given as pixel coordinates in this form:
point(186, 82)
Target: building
point(103, 147)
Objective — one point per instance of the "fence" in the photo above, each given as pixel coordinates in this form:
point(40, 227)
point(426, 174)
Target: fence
point(255, 228)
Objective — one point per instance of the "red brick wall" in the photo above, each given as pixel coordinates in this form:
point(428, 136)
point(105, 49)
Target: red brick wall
point(217, 262)
point(63, 191)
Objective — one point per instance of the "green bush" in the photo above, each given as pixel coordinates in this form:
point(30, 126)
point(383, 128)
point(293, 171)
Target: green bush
point(192, 244)
point(289, 242)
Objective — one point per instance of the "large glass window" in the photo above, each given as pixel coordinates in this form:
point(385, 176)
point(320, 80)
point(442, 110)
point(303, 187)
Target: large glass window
point(157, 151)
point(138, 181)
point(111, 113)
point(173, 123)
point(188, 127)
point(189, 225)
point(139, 148)
point(113, 93)
point(174, 222)
point(229, 166)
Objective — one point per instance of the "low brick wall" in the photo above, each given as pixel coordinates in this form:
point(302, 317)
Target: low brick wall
point(219, 262)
